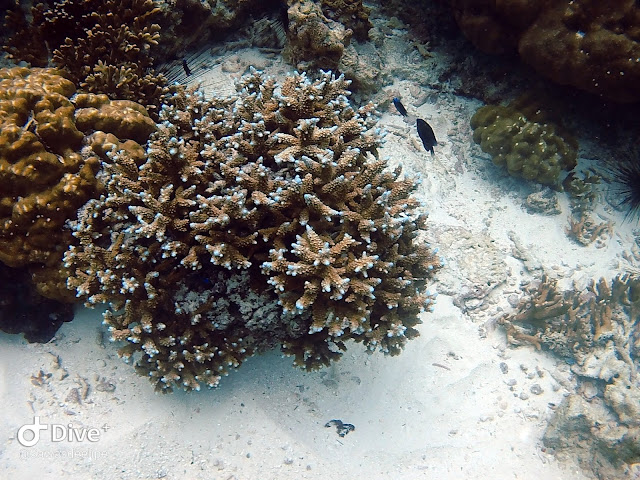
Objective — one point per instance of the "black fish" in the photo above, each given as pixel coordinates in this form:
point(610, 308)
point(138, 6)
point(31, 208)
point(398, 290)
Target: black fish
point(187, 70)
point(426, 135)
point(399, 106)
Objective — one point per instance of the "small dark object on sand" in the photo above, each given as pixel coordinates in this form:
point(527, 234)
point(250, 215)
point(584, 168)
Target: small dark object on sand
point(342, 428)
point(426, 135)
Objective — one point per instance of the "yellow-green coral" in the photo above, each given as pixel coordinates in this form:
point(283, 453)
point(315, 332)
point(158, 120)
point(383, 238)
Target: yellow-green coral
point(253, 222)
point(523, 139)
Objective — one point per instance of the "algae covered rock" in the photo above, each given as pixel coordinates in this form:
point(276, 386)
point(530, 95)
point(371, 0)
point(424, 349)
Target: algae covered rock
point(522, 138)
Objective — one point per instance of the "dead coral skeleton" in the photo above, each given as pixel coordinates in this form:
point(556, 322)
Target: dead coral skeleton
point(575, 322)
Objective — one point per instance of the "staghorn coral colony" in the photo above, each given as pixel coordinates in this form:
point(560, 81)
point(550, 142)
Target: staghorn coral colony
point(250, 222)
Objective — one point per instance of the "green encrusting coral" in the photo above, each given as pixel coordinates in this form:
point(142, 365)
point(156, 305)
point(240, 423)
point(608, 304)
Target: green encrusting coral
point(521, 137)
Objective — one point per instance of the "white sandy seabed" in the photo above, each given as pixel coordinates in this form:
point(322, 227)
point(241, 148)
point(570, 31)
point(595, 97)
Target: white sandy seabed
point(458, 403)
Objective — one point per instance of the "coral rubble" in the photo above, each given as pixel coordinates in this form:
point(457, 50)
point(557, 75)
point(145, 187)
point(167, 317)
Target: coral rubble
point(45, 175)
point(249, 222)
point(598, 332)
point(522, 138)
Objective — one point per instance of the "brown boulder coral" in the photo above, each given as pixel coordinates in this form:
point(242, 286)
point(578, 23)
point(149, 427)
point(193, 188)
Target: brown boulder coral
point(257, 221)
point(45, 176)
point(592, 45)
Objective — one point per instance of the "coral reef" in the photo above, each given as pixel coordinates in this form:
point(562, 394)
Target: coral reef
point(45, 175)
point(591, 431)
point(574, 322)
point(496, 27)
point(319, 36)
point(313, 39)
point(523, 138)
point(587, 44)
point(278, 191)
point(23, 310)
point(598, 332)
point(195, 22)
point(350, 13)
point(102, 46)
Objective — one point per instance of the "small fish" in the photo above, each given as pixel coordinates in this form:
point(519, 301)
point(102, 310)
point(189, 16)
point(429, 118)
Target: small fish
point(187, 70)
point(398, 104)
point(426, 135)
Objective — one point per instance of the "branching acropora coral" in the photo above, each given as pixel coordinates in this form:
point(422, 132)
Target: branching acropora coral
point(277, 191)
